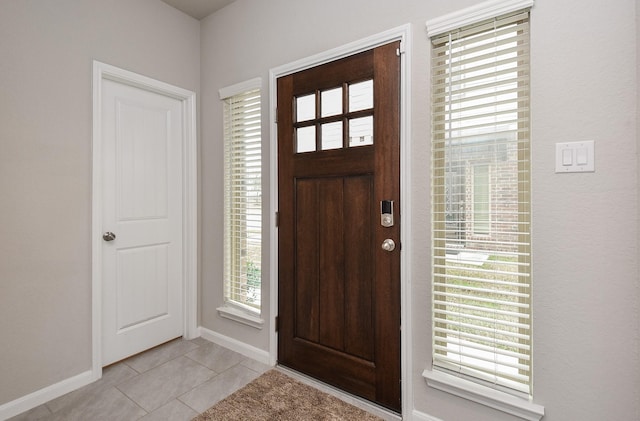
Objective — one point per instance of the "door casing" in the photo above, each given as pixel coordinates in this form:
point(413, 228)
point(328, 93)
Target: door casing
point(102, 71)
point(403, 34)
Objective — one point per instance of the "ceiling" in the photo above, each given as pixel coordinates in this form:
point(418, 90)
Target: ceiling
point(198, 8)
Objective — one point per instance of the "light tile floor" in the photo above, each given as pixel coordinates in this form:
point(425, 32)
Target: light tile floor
point(174, 382)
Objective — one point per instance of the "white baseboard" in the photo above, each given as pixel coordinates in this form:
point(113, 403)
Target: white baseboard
point(30, 401)
point(421, 416)
point(257, 354)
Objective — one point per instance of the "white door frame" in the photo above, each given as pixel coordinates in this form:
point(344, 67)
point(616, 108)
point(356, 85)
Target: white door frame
point(102, 71)
point(403, 34)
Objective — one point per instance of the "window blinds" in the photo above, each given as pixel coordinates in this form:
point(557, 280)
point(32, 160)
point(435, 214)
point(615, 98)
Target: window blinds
point(242, 200)
point(481, 209)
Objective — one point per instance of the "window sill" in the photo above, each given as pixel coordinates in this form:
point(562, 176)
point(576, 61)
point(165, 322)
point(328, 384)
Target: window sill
point(240, 316)
point(484, 395)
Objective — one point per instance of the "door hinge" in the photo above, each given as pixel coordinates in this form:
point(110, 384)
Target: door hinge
point(277, 219)
point(275, 118)
point(277, 323)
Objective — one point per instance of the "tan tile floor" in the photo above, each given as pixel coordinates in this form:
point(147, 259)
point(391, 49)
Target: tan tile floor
point(175, 381)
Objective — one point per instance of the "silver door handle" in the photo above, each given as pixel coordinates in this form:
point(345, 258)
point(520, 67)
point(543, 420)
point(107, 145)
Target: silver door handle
point(388, 245)
point(108, 236)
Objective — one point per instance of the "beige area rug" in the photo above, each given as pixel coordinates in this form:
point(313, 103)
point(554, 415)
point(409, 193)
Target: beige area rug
point(276, 396)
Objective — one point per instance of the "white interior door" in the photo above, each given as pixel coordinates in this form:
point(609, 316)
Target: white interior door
point(142, 176)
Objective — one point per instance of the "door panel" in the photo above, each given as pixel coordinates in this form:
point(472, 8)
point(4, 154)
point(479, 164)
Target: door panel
point(359, 267)
point(142, 204)
point(141, 161)
point(142, 284)
point(339, 292)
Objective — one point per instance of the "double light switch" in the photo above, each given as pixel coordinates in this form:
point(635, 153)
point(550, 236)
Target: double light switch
point(575, 157)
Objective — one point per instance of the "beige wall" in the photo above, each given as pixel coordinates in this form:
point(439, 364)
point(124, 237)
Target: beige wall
point(585, 234)
point(46, 53)
point(586, 290)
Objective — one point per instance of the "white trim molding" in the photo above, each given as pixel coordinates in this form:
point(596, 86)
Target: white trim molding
point(402, 34)
point(249, 351)
point(102, 71)
point(421, 416)
point(238, 88)
point(39, 397)
point(484, 395)
point(240, 316)
point(474, 14)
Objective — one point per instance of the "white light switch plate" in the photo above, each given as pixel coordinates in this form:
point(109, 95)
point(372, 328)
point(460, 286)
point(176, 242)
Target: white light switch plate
point(575, 157)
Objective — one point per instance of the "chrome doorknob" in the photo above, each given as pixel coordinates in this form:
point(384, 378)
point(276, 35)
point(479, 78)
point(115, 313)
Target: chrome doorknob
point(108, 236)
point(388, 245)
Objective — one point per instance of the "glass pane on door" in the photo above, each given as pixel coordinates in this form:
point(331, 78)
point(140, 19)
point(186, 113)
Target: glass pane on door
point(361, 96)
point(305, 108)
point(361, 131)
point(332, 135)
point(331, 102)
point(306, 139)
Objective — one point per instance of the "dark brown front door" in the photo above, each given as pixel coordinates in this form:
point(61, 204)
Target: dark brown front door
point(338, 159)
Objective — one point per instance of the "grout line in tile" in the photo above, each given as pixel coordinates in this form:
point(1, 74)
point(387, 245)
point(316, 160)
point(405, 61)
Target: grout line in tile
point(134, 402)
point(135, 373)
point(186, 404)
point(125, 363)
point(202, 365)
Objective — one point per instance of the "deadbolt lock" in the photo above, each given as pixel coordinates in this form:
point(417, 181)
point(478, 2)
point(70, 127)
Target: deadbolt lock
point(386, 213)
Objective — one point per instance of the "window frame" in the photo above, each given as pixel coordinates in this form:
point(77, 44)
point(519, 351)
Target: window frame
point(482, 314)
point(234, 309)
point(455, 383)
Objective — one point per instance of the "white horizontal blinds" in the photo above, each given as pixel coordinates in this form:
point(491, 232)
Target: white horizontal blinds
point(481, 210)
point(242, 200)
